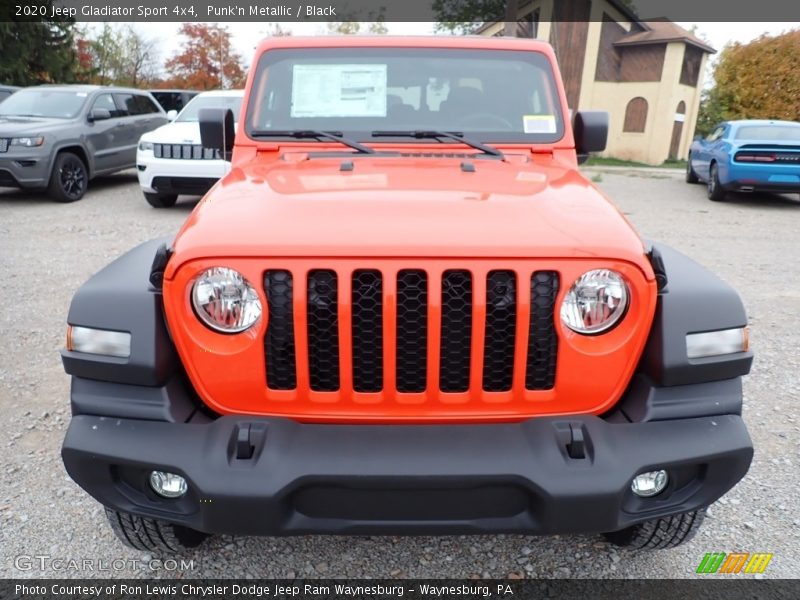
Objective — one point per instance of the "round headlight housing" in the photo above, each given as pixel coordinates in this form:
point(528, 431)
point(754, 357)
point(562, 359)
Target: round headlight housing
point(595, 302)
point(225, 301)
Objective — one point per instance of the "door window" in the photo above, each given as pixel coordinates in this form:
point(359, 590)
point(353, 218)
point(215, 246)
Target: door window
point(716, 134)
point(106, 102)
point(127, 104)
point(144, 105)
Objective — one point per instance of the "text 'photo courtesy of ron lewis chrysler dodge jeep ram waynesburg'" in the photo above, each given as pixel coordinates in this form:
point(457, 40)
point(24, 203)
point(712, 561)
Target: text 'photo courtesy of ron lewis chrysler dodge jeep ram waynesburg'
point(404, 310)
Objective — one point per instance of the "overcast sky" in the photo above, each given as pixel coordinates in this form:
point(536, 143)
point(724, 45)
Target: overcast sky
point(247, 35)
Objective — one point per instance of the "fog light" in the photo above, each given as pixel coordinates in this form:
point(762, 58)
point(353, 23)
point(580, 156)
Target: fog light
point(168, 485)
point(98, 341)
point(717, 343)
point(650, 483)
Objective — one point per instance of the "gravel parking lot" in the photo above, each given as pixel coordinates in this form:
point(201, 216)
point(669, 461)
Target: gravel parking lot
point(47, 250)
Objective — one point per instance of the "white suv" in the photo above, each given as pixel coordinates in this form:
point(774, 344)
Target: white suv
point(171, 161)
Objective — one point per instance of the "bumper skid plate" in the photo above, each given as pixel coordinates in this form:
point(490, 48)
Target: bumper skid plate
point(270, 476)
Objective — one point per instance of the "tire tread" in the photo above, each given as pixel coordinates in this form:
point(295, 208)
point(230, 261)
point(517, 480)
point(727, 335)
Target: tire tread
point(659, 534)
point(152, 535)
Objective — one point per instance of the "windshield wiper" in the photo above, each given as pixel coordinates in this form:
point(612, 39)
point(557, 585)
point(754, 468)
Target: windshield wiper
point(313, 134)
point(438, 135)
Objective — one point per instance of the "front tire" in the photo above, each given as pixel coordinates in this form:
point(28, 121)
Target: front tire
point(153, 535)
point(691, 176)
point(69, 178)
point(160, 200)
point(715, 191)
point(659, 533)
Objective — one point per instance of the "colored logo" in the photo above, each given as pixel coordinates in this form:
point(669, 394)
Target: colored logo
point(736, 562)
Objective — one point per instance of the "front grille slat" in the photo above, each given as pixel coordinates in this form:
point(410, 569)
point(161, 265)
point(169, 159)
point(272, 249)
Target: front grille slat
point(501, 327)
point(456, 336)
point(185, 152)
point(279, 345)
point(540, 372)
point(367, 328)
point(323, 334)
point(412, 330)
point(445, 331)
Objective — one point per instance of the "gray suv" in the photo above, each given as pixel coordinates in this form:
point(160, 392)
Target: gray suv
point(59, 137)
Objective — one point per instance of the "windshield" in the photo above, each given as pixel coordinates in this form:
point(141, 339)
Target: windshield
point(488, 95)
point(44, 103)
point(190, 112)
point(787, 133)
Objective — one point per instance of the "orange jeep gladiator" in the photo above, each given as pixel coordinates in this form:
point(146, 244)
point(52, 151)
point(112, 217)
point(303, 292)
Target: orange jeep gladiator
point(404, 310)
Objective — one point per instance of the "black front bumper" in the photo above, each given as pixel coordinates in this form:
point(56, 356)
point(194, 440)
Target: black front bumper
point(406, 479)
point(190, 186)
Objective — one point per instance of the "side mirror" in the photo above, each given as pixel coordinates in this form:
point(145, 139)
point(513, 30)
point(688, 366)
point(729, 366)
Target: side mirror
point(216, 130)
point(99, 114)
point(590, 128)
point(171, 114)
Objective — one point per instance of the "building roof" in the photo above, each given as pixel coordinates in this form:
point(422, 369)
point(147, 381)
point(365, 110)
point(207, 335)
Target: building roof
point(657, 31)
point(661, 31)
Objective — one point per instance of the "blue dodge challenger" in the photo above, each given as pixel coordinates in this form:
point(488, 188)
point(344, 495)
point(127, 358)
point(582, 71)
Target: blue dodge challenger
point(747, 156)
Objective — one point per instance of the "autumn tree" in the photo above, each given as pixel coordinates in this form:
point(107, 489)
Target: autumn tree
point(758, 80)
point(38, 50)
point(207, 60)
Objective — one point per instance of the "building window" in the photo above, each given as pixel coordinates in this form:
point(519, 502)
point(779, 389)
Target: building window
point(635, 116)
point(690, 70)
point(528, 25)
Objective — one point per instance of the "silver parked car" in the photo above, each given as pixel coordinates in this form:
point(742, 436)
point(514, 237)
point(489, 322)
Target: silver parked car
point(6, 91)
point(59, 137)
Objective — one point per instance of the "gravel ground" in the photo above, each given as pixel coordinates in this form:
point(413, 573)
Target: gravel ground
point(47, 250)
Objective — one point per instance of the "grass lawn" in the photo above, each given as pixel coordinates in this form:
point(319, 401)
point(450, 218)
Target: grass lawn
point(600, 161)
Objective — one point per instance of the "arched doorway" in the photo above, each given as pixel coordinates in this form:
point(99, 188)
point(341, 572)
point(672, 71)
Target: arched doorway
point(677, 130)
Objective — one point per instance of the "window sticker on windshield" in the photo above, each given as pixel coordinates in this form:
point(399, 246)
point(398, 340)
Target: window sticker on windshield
point(81, 94)
point(339, 91)
point(539, 123)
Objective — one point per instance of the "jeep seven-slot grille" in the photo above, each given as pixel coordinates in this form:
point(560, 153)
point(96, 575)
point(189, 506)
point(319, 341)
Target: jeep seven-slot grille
point(412, 330)
point(411, 327)
point(185, 152)
point(456, 331)
point(279, 340)
point(323, 331)
point(367, 331)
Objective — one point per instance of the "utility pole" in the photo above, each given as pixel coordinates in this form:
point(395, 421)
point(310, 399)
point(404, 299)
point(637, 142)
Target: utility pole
point(221, 58)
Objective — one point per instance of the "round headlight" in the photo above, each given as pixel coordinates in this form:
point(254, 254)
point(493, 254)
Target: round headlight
point(595, 302)
point(225, 301)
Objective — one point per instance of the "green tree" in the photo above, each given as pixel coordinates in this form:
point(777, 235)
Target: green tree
point(377, 27)
point(465, 16)
point(713, 108)
point(344, 27)
point(758, 80)
point(275, 29)
point(107, 53)
point(36, 51)
point(116, 54)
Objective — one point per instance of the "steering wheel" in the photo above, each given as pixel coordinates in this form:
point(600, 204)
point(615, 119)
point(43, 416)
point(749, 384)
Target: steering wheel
point(486, 118)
